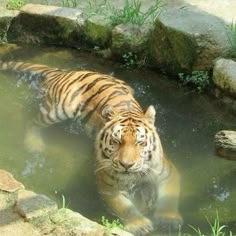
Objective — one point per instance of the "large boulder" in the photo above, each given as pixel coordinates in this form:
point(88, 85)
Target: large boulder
point(224, 76)
point(187, 39)
point(225, 144)
point(47, 25)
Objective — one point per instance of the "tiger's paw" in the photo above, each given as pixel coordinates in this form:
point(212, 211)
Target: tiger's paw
point(168, 220)
point(139, 226)
point(33, 141)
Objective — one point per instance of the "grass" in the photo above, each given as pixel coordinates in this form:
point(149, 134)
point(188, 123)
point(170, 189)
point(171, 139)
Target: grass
point(132, 13)
point(231, 30)
point(95, 7)
point(69, 3)
point(216, 229)
point(15, 4)
point(64, 204)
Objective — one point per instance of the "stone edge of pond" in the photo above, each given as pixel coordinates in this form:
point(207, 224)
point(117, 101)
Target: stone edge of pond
point(168, 43)
point(35, 214)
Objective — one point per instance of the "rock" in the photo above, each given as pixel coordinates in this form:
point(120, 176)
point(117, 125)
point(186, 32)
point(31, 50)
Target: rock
point(8, 183)
point(11, 224)
point(5, 20)
point(224, 76)
point(47, 25)
point(98, 30)
point(27, 213)
point(117, 232)
point(31, 205)
point(187, 39)
point(129, 38)
point(68, 222)
point(225, 144)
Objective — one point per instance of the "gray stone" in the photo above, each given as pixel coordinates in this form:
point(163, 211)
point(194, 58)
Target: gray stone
point(225, 144)
point(68, 222)
point(117, 232)
point(11, 224)
point(224, 76)
point(31, 205)
point(129, 38)
point(187, 39)
point(47, 25)
point(98, 30)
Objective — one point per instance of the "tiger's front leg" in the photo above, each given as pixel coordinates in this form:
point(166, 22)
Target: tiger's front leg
point(166, 214)
point(33, 136)
point(123, 207)
point(33, 140)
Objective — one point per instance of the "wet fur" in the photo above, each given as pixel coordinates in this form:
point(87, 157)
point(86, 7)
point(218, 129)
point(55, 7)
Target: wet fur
point(129, 153)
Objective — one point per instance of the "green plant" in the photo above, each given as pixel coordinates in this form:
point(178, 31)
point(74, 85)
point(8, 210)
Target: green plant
point(216, 229)
point(15, 4)
point(132, 13)
point(114, 224)
point(64, 205)
point(198, 79)
point(130, 60)
point(231, 30)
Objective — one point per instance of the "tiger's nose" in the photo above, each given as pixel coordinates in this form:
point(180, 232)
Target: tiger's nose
point(126, 164)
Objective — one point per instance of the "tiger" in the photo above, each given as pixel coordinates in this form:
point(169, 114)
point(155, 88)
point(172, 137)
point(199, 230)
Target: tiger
point(134, 177)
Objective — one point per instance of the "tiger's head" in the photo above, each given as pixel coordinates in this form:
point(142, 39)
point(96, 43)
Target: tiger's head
point(128, 143)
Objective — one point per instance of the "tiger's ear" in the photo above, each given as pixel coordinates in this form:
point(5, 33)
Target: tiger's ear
point(108, 113)
point(150, 114)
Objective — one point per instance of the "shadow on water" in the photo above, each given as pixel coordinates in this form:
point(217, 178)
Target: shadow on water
point(186, 122)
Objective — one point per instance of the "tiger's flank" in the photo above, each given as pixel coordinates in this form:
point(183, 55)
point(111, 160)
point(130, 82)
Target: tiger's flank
point(135, 179)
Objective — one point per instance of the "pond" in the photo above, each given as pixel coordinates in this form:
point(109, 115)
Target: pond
point(186, 122)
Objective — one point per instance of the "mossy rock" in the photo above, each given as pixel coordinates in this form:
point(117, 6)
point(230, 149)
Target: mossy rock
point(5, 20)
point(98, 31)
point(186, 39)
point(129, 38)
point(174, 50)
point(47, 25)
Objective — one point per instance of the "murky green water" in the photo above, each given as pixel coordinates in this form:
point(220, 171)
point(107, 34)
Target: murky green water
point(186, 122)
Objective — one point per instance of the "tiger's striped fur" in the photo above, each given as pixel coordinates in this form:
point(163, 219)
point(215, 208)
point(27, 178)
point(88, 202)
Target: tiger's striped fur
point(128, 149)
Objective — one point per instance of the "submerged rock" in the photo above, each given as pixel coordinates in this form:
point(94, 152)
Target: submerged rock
point(225, 144)
point(224, 76)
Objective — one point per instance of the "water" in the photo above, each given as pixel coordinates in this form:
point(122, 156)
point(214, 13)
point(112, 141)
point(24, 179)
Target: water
point(186, 122)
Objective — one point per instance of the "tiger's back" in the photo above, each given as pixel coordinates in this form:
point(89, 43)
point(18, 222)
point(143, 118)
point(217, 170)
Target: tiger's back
point(76, 94)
